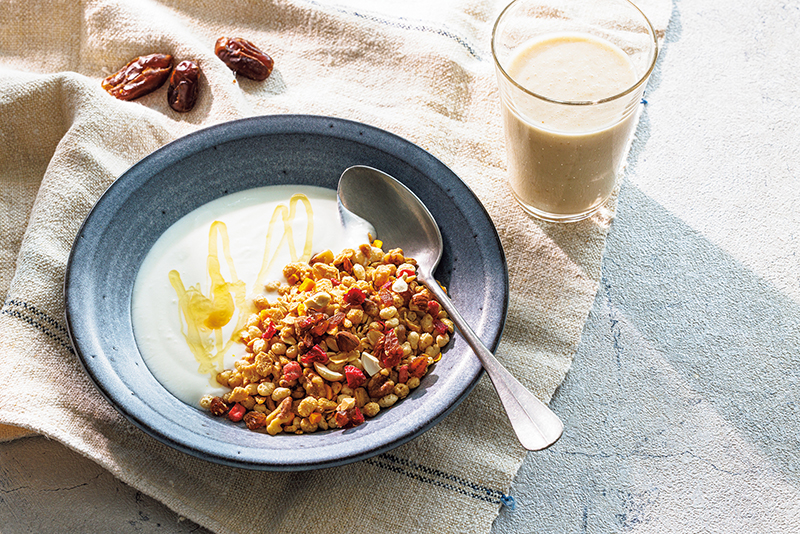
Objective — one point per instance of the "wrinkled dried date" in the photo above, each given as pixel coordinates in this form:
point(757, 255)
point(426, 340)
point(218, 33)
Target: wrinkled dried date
point(141, 76)
point(243, 57)
point(183, 83)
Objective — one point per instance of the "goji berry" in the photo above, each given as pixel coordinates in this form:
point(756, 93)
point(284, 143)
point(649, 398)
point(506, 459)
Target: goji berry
point(439, 327)
point(236, 413)
point(402, 374)
point(392, 350)
point(292, 371)
point(355, 296)
point(269, 332)
point(355, 377)
point(316, 354)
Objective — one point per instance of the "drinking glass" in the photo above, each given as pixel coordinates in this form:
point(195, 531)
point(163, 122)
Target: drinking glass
point(571, 75)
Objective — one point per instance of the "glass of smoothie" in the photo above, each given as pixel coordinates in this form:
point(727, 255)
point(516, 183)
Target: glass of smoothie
point(571, 74)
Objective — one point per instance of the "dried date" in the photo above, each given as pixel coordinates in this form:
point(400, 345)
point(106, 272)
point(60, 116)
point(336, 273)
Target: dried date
point(141, 76)
point(183, 85)
point(243, 57)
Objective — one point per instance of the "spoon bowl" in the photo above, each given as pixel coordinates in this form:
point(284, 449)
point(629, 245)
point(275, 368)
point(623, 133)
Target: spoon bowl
point(397, 215)
point(401, 220)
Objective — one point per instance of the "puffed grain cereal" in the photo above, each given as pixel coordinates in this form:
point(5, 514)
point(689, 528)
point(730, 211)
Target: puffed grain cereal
point(347, 336)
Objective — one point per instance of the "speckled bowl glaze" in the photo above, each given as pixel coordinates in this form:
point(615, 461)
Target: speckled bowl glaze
point(240, 155)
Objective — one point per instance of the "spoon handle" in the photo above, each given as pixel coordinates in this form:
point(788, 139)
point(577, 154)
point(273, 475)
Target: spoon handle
point(536, 426)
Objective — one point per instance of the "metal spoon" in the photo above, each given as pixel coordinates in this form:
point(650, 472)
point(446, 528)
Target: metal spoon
point(402, 220)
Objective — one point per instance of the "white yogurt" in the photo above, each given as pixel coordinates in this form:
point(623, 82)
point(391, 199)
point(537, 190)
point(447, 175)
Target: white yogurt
point(195, 252)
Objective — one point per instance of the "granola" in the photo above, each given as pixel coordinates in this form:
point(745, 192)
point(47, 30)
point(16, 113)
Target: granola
point(347, 336)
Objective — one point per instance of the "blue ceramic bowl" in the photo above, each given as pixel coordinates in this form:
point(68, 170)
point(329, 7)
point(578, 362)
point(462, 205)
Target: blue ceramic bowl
point(240, 155)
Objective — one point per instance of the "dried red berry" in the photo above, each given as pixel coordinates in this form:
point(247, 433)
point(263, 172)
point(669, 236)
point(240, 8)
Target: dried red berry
point(236, 413)
point(355, 377)
point(269, 332)
point(392, 350)
point(349, 418)
point(342, 419)
point(292, 371)
point(402, 374)
point(439, 327)
point(357, 417)
point(312, 323)
point(315, 354)
point(354, 296)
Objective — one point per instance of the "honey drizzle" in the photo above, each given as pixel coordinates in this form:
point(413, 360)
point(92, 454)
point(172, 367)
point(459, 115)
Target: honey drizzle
point(287, 215)
point(205, 316)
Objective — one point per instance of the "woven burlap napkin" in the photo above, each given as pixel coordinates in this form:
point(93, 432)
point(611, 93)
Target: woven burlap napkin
point(421, 71)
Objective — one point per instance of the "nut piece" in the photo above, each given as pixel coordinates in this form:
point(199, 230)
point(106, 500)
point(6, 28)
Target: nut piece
point(347, 341)
point(326, 256)
point(327, 374)
point(318, 301)
point(141, 76)
point(183, 84)
point(370, 363)
point(243, 57)
point(279, 416)
point(379, 386)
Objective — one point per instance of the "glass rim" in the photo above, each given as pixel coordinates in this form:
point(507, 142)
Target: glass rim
point(627, 91)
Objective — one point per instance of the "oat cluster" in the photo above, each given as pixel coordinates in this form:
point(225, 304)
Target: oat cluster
point(347, 336)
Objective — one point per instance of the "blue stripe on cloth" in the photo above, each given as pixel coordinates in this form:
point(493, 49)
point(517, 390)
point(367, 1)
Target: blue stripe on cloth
point(41, 321)
point(405, 24)
point(441, 479)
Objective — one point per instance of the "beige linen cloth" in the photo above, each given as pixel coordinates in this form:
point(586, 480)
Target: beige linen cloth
point(420, 69)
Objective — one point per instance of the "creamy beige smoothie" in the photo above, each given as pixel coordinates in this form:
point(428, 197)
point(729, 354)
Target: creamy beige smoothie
point(564, 158)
